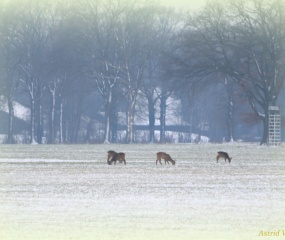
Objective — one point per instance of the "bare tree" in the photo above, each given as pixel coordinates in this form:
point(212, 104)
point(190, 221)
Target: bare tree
point(33, 33)
point(9, 60)
point(64, 69)
point(245, 42)
point(99, 49)
point(133, 36)
point(156, 80)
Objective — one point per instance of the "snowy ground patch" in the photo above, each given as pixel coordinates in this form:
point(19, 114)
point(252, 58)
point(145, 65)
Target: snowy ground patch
point(69, 192)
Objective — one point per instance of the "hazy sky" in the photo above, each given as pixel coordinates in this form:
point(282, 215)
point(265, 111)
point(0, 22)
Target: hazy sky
point(190, 4)
point(183, 4)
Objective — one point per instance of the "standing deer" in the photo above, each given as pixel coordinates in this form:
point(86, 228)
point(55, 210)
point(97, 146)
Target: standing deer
point(224, 155)
point(111, 153)
point(114, 157)
point(165, 156)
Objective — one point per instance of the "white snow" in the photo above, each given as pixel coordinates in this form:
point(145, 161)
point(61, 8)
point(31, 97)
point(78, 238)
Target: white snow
point(69, 192)
point(20, 111)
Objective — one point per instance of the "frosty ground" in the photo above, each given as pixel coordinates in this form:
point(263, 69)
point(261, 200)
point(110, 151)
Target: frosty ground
point(69, 192)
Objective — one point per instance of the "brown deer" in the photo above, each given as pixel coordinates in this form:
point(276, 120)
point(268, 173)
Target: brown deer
point(111, 153)
point(114, 157)
point(165, 156)
point(224, 155)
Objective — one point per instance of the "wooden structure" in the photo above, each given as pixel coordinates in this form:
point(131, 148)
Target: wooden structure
point(274, 126)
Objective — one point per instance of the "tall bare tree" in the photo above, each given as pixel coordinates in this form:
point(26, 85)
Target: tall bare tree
point(34, 39)
point(103, 63)
point(9, 60)
point(244, 41)
point(133, 37)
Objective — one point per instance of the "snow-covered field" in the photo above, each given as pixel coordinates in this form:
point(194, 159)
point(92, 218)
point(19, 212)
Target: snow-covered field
point(69, 192)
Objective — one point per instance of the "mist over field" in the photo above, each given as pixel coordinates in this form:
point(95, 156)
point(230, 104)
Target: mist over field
point(70, 192)
point(80, 78)
point(120, 71)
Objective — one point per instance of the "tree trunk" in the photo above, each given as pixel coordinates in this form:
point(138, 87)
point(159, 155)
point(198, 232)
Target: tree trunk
point(61, 121)
point(39, 125)
point(230, 120)
point(162, 117)
point(10, 137)
point(107, 117)
point(52, 118)
point(32, 130)
point(151, 119)
point(265, 121)
point(107, 129)
point(113, 120)
point(130, 122)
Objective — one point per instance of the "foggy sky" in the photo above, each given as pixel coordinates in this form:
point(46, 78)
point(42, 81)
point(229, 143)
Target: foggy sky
point(183, 4)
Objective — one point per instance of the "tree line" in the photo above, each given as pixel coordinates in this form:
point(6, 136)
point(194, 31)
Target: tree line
point(75, 63)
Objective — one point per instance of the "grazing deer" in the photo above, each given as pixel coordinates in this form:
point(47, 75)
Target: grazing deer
point(165, 156)
point(224, 155)
point(114, 157)
point(111, 153)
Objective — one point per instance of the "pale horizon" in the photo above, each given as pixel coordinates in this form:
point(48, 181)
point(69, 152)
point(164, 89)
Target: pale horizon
point(184, 4)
